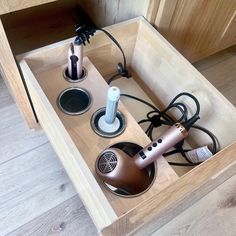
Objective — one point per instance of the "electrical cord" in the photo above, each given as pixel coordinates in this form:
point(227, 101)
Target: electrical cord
point(122, 69)
point(84, 32)
point(157, 117)
point(114, 77)
point(215, 142)
point(116, 42)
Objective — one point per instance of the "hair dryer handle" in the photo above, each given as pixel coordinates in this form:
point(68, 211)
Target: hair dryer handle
point(152, 151)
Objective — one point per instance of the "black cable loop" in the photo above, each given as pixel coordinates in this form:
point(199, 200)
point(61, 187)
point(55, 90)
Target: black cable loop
point(122, 69)
point(165, 119)
point(114, 77)
point(215, 141)
point(161, 114)
point(191, 96)
point(116, 42)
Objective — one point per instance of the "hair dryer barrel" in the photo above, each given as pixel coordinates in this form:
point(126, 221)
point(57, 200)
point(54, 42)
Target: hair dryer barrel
point(116, 168)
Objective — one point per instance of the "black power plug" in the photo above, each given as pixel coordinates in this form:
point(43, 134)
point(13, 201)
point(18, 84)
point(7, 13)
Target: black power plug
point(123, 71)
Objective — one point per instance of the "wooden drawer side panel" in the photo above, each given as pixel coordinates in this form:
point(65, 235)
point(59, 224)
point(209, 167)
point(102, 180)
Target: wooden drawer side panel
point(173, 75)
point(85, 184)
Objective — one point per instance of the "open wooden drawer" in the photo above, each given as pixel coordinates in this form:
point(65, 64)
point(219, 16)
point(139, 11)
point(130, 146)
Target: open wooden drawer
point(162, 73)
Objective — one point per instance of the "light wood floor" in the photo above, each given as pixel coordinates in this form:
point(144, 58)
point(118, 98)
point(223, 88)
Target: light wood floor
point(220, 70)
point(36, 196)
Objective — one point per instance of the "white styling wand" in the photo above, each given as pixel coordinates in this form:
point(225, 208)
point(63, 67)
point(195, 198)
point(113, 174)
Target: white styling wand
point(109, 122)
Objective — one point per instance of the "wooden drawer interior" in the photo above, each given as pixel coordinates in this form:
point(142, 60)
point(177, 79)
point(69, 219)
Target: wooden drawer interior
point(157, 68)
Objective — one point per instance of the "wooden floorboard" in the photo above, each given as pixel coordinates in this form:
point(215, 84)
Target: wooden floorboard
point(212, 60)
point(220, 70)
point(9, 117)
point(16, 138)
point(5, 98)
point(36, 195)
point(67, 219)
point(214, 215)
point(30, 185)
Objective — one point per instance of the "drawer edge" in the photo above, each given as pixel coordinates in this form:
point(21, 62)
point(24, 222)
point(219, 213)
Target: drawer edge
point(90, 193)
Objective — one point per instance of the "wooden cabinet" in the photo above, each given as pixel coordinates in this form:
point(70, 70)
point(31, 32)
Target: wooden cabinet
point(163, 73)
point(7, 6)
point(197, 28)
point(107, 12)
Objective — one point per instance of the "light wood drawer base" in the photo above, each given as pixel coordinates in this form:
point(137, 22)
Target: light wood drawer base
point(163, 73)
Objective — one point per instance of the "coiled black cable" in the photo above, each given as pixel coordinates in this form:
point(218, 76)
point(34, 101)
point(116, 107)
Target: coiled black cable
point(157, 117)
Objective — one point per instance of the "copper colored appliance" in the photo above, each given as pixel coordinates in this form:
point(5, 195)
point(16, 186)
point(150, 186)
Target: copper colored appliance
point(116, 168)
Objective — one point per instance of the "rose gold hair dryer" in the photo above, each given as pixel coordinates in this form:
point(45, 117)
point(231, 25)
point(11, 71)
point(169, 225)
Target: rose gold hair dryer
point(116, 168)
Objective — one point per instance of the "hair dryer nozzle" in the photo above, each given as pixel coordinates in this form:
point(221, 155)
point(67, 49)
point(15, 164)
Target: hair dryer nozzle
point(118, 169)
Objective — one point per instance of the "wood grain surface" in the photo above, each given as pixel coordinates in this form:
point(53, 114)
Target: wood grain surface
point(68, 218)
point(12, 77)
point(105, 13)
point(59, 220)
point(7, 6)
point(214, 214)
point(198, 28)
point(220, 70)
point(164, 73)
point(173, 74)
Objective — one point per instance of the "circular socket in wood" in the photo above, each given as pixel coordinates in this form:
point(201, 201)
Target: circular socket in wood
point(74, 101)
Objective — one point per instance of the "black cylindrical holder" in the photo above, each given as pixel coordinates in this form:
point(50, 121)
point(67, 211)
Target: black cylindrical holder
point(74, 101)
point(97, 129)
